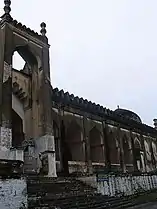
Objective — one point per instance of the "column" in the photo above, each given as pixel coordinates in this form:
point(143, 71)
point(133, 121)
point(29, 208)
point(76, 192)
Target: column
point(52, 164)
point(133, 152)
point(87, 145)
point(122, 163)
point(106, 150)
point(6, 103)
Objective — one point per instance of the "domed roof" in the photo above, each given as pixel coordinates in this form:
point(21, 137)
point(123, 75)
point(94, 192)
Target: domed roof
point(128, 114)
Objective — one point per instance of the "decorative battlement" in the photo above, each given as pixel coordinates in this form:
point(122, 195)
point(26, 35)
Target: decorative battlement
point(67, 99)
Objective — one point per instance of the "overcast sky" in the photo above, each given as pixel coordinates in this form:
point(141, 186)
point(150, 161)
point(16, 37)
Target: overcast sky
point(102, 50)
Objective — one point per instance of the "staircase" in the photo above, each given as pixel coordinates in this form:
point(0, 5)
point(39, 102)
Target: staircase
point(68, 193)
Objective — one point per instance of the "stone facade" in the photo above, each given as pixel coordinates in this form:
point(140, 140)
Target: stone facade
point(101, 138)
point(57, 131)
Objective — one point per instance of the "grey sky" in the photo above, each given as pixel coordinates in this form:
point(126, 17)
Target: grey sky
point(102, 50)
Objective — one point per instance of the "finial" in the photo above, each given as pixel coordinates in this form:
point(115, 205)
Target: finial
point(155, 123)
point(7, 8)
point(43, 29)
point(118, 106)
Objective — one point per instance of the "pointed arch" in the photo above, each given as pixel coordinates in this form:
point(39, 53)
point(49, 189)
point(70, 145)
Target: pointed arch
point(96, 145)
point(127, 150)
point(18, 122)
point(74, 142)
point(137, 144)
point(26, 54)
point(113, 148)
point(57, 140)
point(18, 62)
point(147, 150)
point(137, 153)
point(154, 150)
point(17, 130)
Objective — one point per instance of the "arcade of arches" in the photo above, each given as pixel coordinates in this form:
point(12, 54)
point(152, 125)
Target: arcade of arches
point(92, 150)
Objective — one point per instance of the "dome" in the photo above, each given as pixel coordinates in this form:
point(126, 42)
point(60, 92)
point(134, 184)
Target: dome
point(128, 114)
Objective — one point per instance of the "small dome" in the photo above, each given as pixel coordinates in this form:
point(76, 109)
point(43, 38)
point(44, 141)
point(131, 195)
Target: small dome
point(128, 114)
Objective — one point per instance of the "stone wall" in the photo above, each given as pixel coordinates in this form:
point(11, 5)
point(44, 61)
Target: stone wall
point(13, 194)
point(114, 185)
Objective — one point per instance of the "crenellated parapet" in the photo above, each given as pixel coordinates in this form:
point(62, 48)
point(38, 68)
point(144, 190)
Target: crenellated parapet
point(67, 99)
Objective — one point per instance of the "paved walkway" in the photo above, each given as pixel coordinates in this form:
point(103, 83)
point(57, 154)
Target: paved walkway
point(146, 206)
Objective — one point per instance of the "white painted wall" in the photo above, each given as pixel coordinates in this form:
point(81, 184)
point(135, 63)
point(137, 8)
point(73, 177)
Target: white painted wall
point(125, 185)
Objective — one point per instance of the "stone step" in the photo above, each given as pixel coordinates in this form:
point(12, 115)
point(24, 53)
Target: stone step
point(83, 201)
point(67, 193)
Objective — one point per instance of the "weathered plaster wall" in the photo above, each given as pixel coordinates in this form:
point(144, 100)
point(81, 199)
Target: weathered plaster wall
point(112, 185)
point(13, 194)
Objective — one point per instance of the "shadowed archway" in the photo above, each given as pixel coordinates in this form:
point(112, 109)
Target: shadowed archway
point(17, 130)
point(96, 146)
point(74, 142)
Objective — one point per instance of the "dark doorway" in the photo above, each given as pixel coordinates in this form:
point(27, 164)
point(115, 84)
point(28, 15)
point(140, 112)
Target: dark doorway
point(17, 130)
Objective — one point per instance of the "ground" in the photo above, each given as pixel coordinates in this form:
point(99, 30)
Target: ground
point(146, 206)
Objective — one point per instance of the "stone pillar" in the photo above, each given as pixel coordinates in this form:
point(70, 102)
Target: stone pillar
point(122, 162)
point(64, 160)
point(133, 152)
point(107, 149)
point(45, 152)
point(5, 88)
point(142, 162)
point(52, 164)
point(144, 151)
point(2, 40)
point(62, 139)
point(87, 146)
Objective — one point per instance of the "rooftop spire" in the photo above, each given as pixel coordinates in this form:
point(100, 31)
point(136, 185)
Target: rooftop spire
point(7, 10)
point(43, 32)
point(43, 29)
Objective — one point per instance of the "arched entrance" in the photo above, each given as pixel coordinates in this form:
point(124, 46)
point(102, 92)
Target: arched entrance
point(73, 148)
point(148, 155)
point(127, 151)
point(18, 122)
point(114, 149)
point(137, 153)
point(74, 142)
point(96, 146)
point(17, 130)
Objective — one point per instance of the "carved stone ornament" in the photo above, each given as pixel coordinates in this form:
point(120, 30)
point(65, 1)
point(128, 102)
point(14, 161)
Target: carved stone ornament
point(7, 72)
point(6, 137)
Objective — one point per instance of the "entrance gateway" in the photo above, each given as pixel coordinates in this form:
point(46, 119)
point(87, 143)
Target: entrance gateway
point(25, 95)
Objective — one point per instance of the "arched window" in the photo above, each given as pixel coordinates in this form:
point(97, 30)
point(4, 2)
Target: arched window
point(18, 62)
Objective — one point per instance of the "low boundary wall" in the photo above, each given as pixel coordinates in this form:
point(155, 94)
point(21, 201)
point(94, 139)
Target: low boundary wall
point(125, 185)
